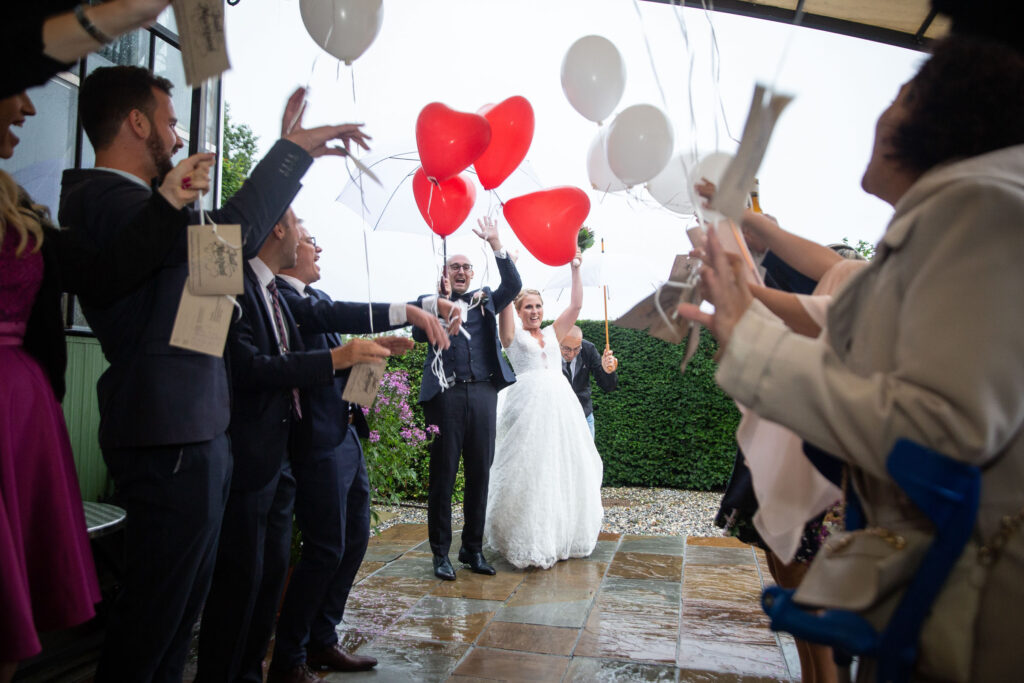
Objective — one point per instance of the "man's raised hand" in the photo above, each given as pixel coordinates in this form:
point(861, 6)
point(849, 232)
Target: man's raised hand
point(314, 140)
point(488, 231)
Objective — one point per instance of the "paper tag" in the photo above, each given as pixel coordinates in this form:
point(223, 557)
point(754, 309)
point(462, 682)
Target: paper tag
point(201, 32)
point(202, 323)
point(363, 383)
point(215, 259)
point(645, 315)
point(732, 191)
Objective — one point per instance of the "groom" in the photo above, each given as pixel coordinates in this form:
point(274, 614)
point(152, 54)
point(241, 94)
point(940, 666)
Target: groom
point(465, 412)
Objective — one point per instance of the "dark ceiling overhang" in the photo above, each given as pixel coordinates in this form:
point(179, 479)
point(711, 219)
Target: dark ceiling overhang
point(905, 23)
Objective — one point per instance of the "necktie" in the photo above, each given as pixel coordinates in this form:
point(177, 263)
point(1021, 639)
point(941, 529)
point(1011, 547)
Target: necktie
point(567, 370)
point(282, 337)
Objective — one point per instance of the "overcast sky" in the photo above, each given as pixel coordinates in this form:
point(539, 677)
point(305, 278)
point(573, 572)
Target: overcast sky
point(467, 53)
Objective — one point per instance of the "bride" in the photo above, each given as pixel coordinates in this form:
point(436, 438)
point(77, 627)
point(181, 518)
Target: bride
point(544, 503)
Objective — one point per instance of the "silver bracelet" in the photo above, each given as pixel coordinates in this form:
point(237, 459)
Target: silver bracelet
point(89, 27)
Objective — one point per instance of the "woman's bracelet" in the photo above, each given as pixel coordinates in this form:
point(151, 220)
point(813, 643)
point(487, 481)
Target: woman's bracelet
point(89, 27)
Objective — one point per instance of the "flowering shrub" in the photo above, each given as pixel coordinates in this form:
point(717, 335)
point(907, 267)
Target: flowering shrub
point(398, 439)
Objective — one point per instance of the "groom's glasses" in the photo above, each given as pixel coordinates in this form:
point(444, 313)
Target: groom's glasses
point(464, 267)
point(571, 349)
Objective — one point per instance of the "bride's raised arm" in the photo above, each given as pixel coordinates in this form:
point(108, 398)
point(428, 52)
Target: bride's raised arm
point(567, 319)
point(507, 325)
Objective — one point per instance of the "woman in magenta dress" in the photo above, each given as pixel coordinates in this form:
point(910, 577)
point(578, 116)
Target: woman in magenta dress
point(47, 576)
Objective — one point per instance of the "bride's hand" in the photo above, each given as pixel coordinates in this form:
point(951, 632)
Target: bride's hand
point(577, 260)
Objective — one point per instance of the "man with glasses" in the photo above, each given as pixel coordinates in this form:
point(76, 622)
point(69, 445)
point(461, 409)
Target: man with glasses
point(462, 402)
point(580, 360)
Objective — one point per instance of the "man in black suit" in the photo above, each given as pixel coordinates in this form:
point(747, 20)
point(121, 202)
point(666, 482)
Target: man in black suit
point(474, 370)
point(271, 373)
point(332, 504)
point(164, 411)
point(580, 361)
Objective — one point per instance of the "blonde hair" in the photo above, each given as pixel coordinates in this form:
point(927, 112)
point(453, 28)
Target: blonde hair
point(518, 301)
point(17, 211)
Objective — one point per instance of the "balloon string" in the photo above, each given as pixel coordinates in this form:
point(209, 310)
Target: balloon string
point(650, 54)
point(716, 74)
point(798, 18)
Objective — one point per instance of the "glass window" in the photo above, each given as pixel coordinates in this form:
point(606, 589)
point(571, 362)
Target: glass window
point(168, 20)
point(167, 63)
point(131, 49)
point(47, 144)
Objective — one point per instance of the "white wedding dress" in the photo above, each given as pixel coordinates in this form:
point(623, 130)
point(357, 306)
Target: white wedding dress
point(544, 499)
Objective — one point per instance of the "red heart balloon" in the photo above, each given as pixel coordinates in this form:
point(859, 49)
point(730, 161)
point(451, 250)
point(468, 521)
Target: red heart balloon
point(449, 141)
point(511, 134)
point(546, 222)
point(445, 205)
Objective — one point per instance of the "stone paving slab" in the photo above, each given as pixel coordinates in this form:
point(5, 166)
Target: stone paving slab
point(641, 608)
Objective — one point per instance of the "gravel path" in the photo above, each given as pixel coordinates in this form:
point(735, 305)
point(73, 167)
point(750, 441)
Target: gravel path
point(648, 512)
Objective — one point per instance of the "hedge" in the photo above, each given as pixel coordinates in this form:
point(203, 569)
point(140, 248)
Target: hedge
point(659, 428)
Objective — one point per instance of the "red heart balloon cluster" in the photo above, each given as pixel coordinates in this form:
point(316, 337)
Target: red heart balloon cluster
point(495, 141)
point(548, 221)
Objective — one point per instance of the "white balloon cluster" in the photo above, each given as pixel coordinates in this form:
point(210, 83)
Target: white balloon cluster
point(637, 144)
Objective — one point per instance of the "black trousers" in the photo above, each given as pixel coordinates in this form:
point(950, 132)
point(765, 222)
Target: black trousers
point(332, 509)
point(465, 414)
point(175, 498)
point(252, 563)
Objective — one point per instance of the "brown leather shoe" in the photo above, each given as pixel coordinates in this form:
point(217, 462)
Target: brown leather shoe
point(336, 659)
point(296, 674)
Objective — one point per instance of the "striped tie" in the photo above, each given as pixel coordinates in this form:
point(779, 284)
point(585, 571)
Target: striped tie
point(282, 336)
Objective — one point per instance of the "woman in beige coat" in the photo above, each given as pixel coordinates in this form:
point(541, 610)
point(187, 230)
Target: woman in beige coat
point(927, 343)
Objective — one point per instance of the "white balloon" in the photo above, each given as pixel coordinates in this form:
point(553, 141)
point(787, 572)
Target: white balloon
point(712, 167)
point(639, 144)
point(598, 170)
point(344, 28)
point(593, 77)
point(670, 187)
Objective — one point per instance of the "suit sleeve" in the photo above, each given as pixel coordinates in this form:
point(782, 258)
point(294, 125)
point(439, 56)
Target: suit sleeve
point(265, 195)
point(419, 335)
point(609, 381)
point(510, 284)
point(345, 317)
point(101, 276)
point(251, 368)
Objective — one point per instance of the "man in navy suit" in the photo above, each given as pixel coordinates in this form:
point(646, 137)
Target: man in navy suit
point(332, 504)
point(164, 411)
point(474, 371)
point(271, 373)
point(580, 361)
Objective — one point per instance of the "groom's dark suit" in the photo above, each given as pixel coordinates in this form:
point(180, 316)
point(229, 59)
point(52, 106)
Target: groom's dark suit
point(465, 413)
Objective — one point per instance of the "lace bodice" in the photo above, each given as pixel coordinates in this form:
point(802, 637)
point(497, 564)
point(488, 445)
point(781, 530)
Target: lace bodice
point(20, 278)
point(526, 354)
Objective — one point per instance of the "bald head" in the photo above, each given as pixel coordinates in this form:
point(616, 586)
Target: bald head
point(460, 273)
point(571, 343)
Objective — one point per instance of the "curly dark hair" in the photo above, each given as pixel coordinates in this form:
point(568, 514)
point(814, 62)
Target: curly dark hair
point(967, 99)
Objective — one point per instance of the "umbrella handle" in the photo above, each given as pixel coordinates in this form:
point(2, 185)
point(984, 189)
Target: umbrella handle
point(607, 343)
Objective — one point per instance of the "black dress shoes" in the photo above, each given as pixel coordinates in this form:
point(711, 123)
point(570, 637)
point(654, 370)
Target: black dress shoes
point(475, 562)
point(336, 659)
point(443, 568)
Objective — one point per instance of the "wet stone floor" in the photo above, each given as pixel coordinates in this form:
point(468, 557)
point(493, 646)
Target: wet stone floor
point(641, 608)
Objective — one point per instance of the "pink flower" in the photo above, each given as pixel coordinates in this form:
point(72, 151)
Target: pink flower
point(374, 436)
